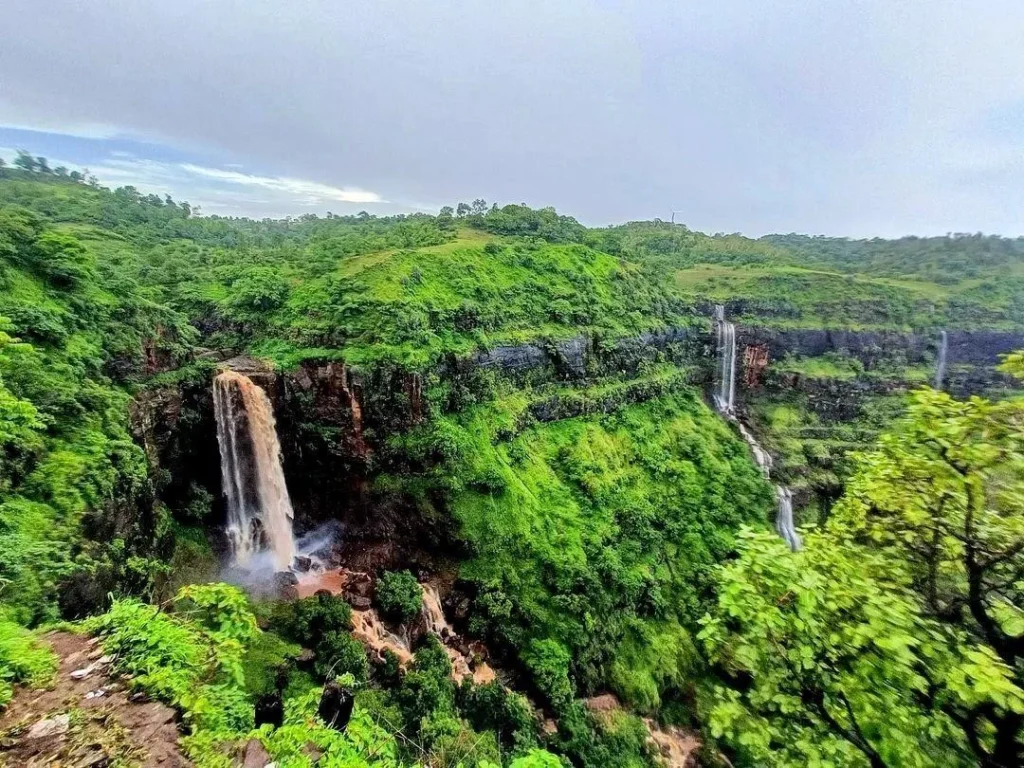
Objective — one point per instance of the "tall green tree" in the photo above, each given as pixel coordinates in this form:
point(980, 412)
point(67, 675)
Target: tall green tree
point(944, 495)
point(827, 659)
point(895, 637)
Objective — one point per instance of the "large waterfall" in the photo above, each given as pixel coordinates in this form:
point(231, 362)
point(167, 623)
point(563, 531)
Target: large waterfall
point(940, 363)
point(725, 400)
point(259, 510)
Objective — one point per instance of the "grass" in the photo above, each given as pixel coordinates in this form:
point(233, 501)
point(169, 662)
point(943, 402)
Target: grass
point(805, 297)
point(23, 659)
point(590, 531)
point(824, 367)
point(413, 306)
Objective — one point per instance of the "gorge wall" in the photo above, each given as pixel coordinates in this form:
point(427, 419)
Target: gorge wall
point(336, 424)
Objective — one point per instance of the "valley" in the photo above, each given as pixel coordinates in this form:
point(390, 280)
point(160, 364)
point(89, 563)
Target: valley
point(515, 491)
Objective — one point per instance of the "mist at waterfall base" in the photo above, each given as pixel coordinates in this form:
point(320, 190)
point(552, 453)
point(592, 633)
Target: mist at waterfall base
point(260, 573)
point(259, 510)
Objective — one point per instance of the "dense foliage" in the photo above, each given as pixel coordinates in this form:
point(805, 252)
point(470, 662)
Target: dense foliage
point(900, 623)
point(399, 595)
point(72, 327)
point(592, 539)
point(605, 528)
point(23, 659)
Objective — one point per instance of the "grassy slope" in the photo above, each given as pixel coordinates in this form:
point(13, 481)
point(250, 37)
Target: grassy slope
point(598, 533)
point(414, 305)
point(66, 449)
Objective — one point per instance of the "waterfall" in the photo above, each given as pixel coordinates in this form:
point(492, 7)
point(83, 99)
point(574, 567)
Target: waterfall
point(940, 364)
point(726, 397)
point(784, 518)
point(259, 510)
point(433, 613)
point(725, 402)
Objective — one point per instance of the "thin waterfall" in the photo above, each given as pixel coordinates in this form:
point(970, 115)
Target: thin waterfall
point(259, 509)
point(940, 364)
point(784, 518)
point(725, 399)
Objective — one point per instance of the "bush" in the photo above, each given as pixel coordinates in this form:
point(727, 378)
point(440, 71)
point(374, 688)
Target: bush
point(22, 660)
point(399, 596)
point(313, 618)
point(495, 708)
point(339, 653)
point(427, 689)
point(548, 660)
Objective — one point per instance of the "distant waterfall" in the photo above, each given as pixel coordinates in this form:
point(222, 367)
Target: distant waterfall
point(725, 400)
point(940, 364)
point(784, 518)
point(259, 510)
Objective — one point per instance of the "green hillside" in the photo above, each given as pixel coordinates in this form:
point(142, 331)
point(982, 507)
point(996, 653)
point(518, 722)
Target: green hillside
point(522, 421)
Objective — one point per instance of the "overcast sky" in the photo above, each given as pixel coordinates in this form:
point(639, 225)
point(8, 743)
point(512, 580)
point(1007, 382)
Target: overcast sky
point(851, 117)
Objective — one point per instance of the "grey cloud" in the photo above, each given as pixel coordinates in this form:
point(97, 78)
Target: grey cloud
point(851, 118)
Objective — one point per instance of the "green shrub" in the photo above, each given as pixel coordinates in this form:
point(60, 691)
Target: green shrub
point(23, 659)
point(313, 618)
point(399, 595)
point(493, 707)
point(427, 687)
point(548, 660)
point(339, 653)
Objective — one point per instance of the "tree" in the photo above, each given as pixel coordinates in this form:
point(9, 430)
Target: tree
point(1013, 364)
point(829, 660)
point(944, 494)
point(462, 210)
point(25, 161)
point(62, 259)
point(399, 595)
point(445, 221)
point(479, 207)
point(260, 291)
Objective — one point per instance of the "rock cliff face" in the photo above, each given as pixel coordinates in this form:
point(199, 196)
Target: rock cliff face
point(980, 350)
point(586, 356)
point(334, 424)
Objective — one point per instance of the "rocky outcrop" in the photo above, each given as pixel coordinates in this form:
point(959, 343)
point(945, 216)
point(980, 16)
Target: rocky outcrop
point(587, 356)
point(870, 347)
point(833, 400)
point(336, 424)
point(875, 347)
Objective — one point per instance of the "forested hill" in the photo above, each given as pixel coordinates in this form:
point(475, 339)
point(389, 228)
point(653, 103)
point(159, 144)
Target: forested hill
point(415, 287)
point(537, 542)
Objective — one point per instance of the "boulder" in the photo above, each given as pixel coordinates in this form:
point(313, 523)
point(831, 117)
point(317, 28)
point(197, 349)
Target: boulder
point(255, 755)
point(51, 726)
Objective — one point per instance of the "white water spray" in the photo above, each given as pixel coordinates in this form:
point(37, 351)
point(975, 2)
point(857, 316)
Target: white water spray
point(259, 509)
point(725, 399)
point(940, 364)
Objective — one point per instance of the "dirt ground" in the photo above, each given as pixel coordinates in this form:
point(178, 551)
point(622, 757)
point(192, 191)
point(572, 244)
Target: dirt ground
point(91, 722)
